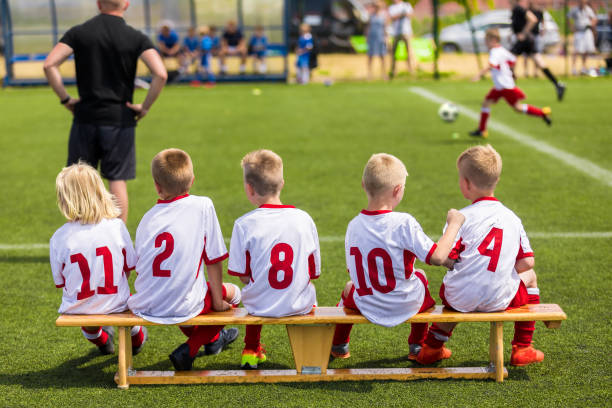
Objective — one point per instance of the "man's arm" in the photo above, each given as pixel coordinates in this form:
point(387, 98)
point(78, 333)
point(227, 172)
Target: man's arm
point(56, 57)
point(532, 20)
point(155, 64)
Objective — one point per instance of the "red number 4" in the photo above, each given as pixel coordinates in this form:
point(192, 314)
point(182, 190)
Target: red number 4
point(496, 235)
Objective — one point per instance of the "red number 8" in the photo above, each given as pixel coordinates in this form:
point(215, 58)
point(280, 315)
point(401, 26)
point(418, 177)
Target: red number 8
point(278, 265)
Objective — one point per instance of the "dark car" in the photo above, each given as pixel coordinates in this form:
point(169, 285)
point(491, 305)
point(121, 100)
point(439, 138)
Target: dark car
point(604, 33)
point(332, 22)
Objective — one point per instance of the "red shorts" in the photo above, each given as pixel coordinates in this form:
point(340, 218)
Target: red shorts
point(208, 299)
point(428, 301)
point(519, 300)
point(512, 96)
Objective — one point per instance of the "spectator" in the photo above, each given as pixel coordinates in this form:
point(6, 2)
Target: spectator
point(216, 41)
point(258, 46)
point(168, 41)
point(377, 36)
point(206, 47)
point(232, 43)
point(303, 51)
point(536, 33)
point(583, 22)
point(190, 50)
point(400, 13)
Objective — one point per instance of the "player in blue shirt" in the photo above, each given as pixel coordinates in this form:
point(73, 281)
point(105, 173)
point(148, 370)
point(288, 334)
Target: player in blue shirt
point(216, 41)
point(304, 48)
point(190, 50)
point(258, 46)
point(206, 50)
point(168, 41)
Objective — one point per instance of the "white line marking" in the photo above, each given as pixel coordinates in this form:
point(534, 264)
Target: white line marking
point(340, 238)
point(583, 165)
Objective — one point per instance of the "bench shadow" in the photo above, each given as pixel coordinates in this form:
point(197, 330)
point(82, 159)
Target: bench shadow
point(24, 259)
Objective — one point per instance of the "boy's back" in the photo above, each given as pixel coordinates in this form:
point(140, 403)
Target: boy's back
point(501, 62)
point(489, 243)
point(173, 239)
point(278, 247)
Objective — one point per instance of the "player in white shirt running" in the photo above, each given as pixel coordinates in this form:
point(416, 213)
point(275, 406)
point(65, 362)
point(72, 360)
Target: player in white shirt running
point(92, 254)
point(274, 250)
point(381, 247)
point(494, 260)
point(173, 239)
point(501, 66)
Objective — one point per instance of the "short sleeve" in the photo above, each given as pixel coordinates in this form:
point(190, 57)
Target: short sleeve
point(144, 44)
point(214, 246)
point(57, 266)
point(314, 259)
point(525, 250)
point(129, 254)
point(69, 38)
point(417, 242)
point(238, 264)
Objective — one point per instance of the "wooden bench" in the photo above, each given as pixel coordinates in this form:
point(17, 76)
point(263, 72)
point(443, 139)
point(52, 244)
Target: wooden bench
point(310, 337)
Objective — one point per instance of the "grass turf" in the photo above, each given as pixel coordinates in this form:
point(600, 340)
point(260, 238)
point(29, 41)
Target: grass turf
point(325, 135)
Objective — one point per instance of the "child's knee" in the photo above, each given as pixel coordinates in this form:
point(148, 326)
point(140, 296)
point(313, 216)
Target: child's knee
point(529, 278)
point(347, 289)
point(232, 292)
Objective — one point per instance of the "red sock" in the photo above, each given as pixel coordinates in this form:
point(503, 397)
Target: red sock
point(98, 341)
point(342, 335)
point(533, 111)
point(523, 331)
point(252, 337)
point(201, 335)
point(418, 333)
point(437, 337)
point(187, 330)
point(138, 338)
point(484, 116)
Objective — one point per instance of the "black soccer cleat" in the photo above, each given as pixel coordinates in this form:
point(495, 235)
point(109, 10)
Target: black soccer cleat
point(546, 115)
point(479, 133)
point(226, 337)
point(109, 346)
point(145, 333)
point(181, 360)
point(560, 91)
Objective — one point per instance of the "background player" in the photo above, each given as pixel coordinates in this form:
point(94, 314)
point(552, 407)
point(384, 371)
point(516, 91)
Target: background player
point(206, 51)
point(190, 51)
point(258, 45)
point(501, 63)
point(494, 269)
point(172, 240)
point(92, 254)
point(381, 247)
point(304, 48)
point(274, 250)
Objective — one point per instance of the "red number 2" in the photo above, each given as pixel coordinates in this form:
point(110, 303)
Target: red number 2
point(107, 258)
point(495, 235)
point(278, 265)
point(169, 239)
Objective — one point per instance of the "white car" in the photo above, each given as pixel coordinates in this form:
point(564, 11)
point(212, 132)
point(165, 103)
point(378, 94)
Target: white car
point(458, 37)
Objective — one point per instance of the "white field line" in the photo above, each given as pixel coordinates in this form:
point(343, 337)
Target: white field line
point(340, 238)
point(583, 165)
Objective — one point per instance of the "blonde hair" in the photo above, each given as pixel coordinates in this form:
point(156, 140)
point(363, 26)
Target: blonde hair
point(263, 170)
point(383, 172)
point(81, 195)
point(481, 165)
point(172, 170)
point(493, 33)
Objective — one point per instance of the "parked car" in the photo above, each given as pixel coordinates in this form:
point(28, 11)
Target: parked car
point(604, 33)
point(458, 37)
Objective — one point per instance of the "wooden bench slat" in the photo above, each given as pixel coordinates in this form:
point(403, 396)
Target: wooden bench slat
point(324, 315)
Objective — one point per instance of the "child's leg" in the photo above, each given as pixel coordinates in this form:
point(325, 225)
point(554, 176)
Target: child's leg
point(343, 331)
point(485, 111)
point(232, 294)
point(95, 335)
point(523, 331)
point(200, 336)
point(252, 338)
point(418, 331)
point(138, 336)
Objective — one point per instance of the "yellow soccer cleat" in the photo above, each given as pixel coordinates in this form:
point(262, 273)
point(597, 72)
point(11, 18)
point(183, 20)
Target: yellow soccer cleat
point(250, 358)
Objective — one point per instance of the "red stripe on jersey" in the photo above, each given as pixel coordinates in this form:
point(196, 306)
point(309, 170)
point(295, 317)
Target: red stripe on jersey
point(312, 267)
point(484, 199)
point(430, 253)
point(60, 286)
point(214, 261)
point(276, 206)
point(366, 212)
point(247, 271)
point(522, 254)
point(409, 258)
point(457, 250)
point(510, 63)
point(172, 199)
point(126, 268)
point(62, 275)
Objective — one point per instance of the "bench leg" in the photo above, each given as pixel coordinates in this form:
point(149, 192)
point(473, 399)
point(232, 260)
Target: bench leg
point(311, 345)
point(125, 358)
point(496, 349)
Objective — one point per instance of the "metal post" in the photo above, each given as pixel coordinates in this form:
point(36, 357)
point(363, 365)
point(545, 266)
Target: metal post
point(193, 18)
point(147, 15)
point(53, 11)
point(239, 12)
point(566, 34)
point(468, 16)
point(7, 35)
point(286, 37)
point(436, 36)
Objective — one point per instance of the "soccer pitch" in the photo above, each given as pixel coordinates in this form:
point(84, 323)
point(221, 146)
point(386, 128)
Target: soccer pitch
point(325, 136)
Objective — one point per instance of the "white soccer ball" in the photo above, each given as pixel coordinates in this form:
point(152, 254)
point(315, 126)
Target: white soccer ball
point(448, 112)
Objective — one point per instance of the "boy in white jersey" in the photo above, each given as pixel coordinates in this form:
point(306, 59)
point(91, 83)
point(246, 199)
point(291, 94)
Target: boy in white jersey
point(501, 66)
point(494, 260)
point(92, 254)
point(173, 239)
point(274, 250)
point(381, 247)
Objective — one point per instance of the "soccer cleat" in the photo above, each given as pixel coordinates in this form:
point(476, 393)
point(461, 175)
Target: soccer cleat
point(109, 346)
point(522, 356)
point(250, 359)
point(145, 334)
point(546, 111)
point(479, 133)
point(429, 355)
point(414, 351)
point(181, 360)
point(560, 91)
point(226, 337)
point(340, 351)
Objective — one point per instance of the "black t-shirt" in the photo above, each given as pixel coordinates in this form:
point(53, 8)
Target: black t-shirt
point(106, 52)
point(232, 39)
point(540, 16)
point(519, 19)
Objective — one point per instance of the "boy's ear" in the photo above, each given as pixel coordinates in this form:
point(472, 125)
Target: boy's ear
point(158, 188)
point(192, 181)
point(397, 190)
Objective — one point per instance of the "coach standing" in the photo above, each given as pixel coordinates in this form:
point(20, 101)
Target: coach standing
point(106, 52)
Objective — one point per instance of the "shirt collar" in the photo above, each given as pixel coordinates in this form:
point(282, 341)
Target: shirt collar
point(172, 199)
point(366, 212)
point(485, 199)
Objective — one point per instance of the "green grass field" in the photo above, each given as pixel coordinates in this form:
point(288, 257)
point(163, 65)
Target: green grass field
point(325, 135)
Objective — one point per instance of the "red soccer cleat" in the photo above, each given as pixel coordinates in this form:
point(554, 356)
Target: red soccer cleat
point(429, 355)
point(522, 356)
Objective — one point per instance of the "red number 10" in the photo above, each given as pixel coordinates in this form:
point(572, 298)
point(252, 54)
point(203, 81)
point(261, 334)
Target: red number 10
point(362, 286)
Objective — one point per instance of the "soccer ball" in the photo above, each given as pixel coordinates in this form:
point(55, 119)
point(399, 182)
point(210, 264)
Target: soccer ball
point(448, 112)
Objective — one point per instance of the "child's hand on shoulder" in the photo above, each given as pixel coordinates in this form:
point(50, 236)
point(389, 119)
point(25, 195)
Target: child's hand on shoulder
point(455, 217)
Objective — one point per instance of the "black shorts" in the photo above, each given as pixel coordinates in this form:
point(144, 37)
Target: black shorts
point(112, 146)
point(525, 47)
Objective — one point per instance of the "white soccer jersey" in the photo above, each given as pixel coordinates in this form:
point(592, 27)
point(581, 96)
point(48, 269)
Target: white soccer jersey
point(402, 25)
point(277, 246)
point(488, 245)
point(173, 239)
point(501, 62)
point(90, 262)
point(381, 247)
